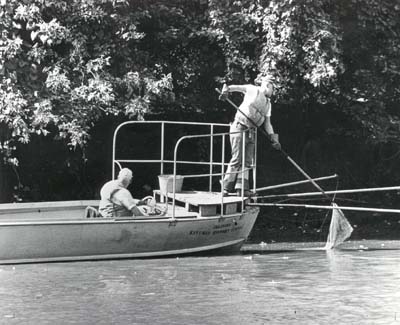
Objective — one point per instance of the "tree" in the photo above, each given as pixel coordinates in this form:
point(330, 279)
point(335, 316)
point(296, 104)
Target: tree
point(335, 63)
point(65, 65)
point(61, 67)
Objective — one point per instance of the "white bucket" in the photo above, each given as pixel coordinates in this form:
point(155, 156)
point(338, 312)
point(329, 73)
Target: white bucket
point(166, 183)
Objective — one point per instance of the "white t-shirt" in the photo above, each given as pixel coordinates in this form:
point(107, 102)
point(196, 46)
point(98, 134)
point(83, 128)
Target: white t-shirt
point(116, 200)
point(255, 105)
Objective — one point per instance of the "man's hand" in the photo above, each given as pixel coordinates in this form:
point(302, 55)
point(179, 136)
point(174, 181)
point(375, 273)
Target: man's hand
point(224, 93)
point(274, 138)
point(141, 202)
point(148, 200)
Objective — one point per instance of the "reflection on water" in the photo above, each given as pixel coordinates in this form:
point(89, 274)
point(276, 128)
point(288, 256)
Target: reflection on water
point(298, 287)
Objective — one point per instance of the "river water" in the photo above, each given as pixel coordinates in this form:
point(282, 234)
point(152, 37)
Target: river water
point(349, 286)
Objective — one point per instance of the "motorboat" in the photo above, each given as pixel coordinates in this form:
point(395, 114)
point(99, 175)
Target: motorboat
point(183, 221)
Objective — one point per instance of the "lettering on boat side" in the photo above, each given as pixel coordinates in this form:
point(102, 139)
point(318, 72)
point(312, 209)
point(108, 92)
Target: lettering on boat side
point(221, 226)
point(224, 231)
point(236, 228)
point(199, 232)
point(221, 231)
point(218, 229)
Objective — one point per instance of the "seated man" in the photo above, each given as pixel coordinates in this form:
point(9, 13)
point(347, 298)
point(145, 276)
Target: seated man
point(116, 200)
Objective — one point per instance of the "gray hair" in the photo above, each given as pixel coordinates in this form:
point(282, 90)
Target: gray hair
point(125, 175)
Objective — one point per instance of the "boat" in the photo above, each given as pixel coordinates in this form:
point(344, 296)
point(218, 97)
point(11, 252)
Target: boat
point(182, 222)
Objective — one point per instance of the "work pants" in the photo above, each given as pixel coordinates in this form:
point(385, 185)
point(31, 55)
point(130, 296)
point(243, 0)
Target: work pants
point(234, 177)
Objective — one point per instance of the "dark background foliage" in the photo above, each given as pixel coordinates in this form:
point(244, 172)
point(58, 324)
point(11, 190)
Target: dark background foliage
point(70, 71)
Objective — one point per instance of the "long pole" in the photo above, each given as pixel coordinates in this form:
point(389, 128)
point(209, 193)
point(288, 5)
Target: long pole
point(273, 187)
point(326, 207)
point(281, 150)
point(360, 190)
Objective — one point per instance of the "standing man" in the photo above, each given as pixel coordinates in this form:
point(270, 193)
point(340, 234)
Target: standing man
point(116, 200)
point(255, 111)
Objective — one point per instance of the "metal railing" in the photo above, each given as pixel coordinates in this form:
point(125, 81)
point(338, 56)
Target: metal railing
point(211, 135)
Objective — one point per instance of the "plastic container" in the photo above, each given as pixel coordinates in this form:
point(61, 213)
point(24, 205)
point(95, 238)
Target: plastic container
point(166, 183)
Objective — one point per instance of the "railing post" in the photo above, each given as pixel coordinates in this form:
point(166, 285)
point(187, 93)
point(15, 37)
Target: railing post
point(244, 169)
point(222, 174)
point(162, 148)
point(253, 163)
point(211, 156)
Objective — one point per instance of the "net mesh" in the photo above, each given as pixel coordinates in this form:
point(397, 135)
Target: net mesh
point(339, 229)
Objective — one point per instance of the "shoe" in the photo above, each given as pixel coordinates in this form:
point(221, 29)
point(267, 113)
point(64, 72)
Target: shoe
point(227, 191)
point(246, 193)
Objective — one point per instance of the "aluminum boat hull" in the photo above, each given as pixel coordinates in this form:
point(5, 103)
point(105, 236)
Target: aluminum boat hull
point(45, 232)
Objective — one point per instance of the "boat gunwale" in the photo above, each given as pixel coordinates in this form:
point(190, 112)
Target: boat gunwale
point(42, 222)
point(25, 207)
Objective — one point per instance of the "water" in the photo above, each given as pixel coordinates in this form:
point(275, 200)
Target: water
point(298, 287)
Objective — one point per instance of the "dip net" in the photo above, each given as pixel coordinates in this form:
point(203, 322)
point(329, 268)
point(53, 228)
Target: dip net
point(339, 229)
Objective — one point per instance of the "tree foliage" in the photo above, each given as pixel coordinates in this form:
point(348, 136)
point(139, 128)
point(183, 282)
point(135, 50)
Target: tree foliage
point(67, 65)
point(64, 65)
point(339, 55)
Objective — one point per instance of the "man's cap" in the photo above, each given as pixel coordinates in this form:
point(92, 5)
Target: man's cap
point(265, 79)
point(125, 173)
point(268, 79)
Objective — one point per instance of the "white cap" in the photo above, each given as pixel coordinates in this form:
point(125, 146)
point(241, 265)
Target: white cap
point(265, 79)
point(125, 173)
point(268, 79)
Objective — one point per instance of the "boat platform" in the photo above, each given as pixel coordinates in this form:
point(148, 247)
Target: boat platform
point(203, 203)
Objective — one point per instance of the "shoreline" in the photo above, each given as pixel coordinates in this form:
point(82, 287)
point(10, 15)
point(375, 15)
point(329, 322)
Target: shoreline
point(350, 245)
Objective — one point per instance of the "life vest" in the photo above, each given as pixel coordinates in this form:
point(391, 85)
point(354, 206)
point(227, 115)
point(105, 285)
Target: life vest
point(108, 207)
point(256, 109)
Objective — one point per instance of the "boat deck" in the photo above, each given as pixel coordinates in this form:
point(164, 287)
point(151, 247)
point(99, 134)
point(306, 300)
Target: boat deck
point(198, 198)
point(205, 204)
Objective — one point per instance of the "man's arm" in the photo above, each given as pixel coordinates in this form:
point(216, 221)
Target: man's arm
point(233, 88)
point(268, 126)
point(126, 199)
point(273, 137)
